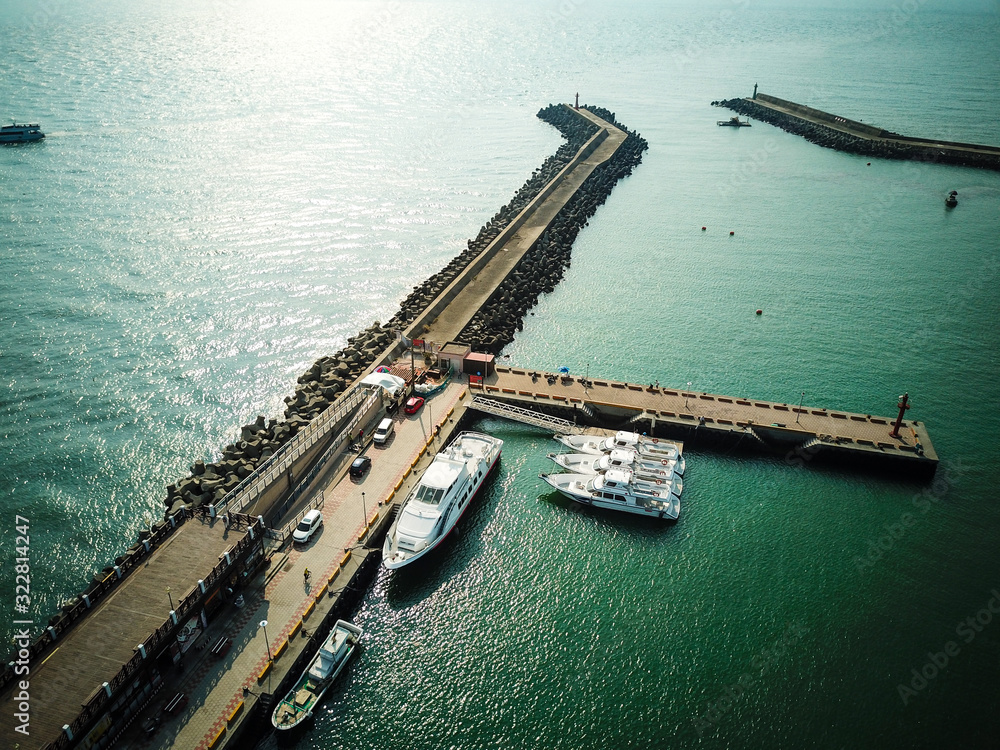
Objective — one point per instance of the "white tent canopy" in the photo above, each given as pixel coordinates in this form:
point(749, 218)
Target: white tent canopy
point(391, 383)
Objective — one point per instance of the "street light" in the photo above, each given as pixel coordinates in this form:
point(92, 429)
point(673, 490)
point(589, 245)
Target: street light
point(799, 412)
point(364, 513)
point(263, 624)
point(687, 396)
point(171, 599)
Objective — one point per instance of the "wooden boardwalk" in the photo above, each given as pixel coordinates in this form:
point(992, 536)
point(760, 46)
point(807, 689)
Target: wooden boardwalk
point(669, 411)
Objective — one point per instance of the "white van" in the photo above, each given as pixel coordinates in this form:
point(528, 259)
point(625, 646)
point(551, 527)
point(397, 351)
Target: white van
point(383, 432)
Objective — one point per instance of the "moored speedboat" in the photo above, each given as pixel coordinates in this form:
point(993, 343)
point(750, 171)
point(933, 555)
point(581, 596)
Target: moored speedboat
point(20, 133)
point(644, 446)
point(299, 702)
point(620, 490)
point(619, 458)
point(440, 497)
point(733, 122)
point(951, 200)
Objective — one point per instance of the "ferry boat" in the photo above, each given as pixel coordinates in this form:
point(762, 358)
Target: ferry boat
point(733, 122)
point(620, 489)
point(440, 497)
point(20, 133)
point(646, 447)
point(618, 458)
point(299, 702)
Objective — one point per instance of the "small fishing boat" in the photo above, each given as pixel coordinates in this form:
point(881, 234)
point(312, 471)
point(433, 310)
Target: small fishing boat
point(951, 200)
point(733, 122)
point(621, 490)
point(20, 133)
point(619, 458)
point(646, 447)
point(299, 702)
point(432, 508)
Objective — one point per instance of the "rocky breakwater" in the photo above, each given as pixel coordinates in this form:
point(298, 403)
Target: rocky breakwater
point(328, 377)
point(883, 147)
point(542, 267)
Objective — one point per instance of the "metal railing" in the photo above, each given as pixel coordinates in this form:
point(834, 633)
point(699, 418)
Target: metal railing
point(247, 491)
point(336, 446)
point(519, 414)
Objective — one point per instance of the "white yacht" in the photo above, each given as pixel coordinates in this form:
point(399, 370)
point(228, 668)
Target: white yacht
point(620, 489)
point(440, 497)
point(19, 133)
point(299, 702)
point(619, 458)
point(644, 446)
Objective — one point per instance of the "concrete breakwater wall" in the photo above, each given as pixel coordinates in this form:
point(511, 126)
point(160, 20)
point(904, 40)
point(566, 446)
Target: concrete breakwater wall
point(542, 267)
point(850, 136)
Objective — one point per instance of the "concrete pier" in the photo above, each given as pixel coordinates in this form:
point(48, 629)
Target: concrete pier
point(856, 137)
point(800, 433)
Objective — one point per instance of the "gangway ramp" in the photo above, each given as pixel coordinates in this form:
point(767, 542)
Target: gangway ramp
point(527, 416)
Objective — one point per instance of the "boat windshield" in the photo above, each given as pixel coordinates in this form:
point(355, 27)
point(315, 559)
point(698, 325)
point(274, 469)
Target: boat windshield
point(429, 495)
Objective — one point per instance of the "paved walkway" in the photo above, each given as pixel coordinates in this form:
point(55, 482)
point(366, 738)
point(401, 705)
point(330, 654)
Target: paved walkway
point(453, 319)
point(215, 686)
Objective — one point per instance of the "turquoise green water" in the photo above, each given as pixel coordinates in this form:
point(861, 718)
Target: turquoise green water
point(229, 191)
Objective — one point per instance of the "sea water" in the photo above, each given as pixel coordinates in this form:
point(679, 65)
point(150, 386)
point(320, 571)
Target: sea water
point(227, 191)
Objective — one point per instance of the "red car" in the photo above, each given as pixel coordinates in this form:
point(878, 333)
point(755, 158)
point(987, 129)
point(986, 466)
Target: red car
point(413, 404)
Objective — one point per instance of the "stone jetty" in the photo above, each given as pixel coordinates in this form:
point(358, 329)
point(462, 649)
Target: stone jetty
point(854, 137)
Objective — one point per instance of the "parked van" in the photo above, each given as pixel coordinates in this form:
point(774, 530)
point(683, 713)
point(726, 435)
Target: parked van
point(383, 432)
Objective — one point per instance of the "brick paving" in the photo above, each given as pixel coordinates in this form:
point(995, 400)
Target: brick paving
point(215, 686)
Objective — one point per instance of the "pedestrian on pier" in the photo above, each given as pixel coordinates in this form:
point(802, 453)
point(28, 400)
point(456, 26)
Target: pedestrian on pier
point(306, 574)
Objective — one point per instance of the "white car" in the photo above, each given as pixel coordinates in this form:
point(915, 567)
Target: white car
point(310, 522)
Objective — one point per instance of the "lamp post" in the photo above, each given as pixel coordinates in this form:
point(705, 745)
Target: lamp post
point(170, 599)
point(799, 412)
point(263, 625)
point(364, 513)
point(687, 396)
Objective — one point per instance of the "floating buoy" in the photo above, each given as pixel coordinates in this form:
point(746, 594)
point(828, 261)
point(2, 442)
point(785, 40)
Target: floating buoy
point(704, 228)
point(731, 234)
point(760, 312)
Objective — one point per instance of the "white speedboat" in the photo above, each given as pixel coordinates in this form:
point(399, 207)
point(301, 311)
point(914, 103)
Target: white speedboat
point(19, 133)
point(620, 490)
point(644, 446)
point(619, 458)
point(299, 702)
point(439, 499)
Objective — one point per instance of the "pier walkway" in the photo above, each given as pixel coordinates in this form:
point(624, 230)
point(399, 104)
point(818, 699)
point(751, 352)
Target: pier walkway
point(672, 412)
point(538, 216)
point(215, 687)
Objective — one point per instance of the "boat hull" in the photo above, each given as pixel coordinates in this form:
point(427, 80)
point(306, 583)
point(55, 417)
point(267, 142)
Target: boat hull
point(288, 715)
point(573, 486)
point(394, 563)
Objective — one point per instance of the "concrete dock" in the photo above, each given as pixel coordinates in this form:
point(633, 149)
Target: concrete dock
point(801, 432)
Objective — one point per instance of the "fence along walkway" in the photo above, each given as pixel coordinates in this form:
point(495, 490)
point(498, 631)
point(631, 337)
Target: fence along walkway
point(247, 491)
point(527, 416)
